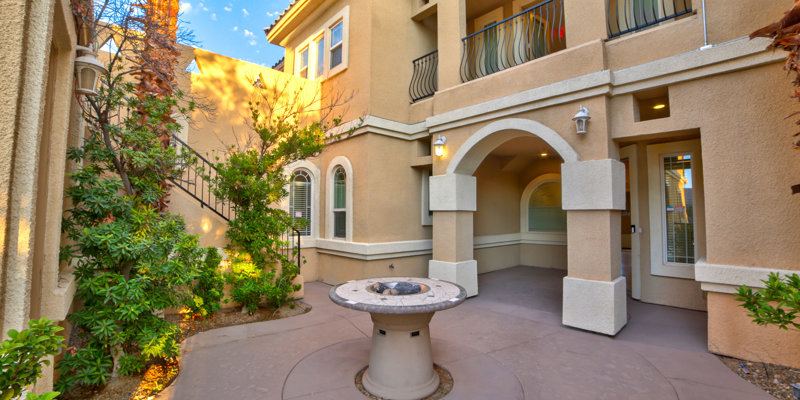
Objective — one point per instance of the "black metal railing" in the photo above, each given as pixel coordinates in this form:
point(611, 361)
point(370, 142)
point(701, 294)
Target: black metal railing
point(425, 80)
point(533, 33)
point(292, 249)
point(625, 16)
point(194, 180)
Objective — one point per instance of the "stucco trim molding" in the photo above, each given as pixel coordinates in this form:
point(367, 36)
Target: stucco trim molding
point(595, 306)
point(726, 278)
point(511, 239)
point(593, 185)
point(380, 126)
point(374, 251)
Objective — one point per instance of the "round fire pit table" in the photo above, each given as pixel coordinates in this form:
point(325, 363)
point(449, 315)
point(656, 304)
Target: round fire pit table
point(400, 362)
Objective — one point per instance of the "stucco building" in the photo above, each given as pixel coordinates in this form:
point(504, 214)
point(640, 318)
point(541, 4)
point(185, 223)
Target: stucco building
point(682, 177)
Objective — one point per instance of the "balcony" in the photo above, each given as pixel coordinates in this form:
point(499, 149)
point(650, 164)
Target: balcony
point(424, 81)
point(525, 36)
point(625, 16)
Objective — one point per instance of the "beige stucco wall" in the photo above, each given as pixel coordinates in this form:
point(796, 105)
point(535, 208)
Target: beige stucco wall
point(336, 269)
point(731, 332)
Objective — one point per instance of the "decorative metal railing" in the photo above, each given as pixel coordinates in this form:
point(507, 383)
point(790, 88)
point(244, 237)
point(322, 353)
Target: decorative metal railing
point(194, 181)
point(425, 80)
point(626, 16)
point(533, 33)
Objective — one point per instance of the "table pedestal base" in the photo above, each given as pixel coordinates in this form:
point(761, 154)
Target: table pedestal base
point(400, 361)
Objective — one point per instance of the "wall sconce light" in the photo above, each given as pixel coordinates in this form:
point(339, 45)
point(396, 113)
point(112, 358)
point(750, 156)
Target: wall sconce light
point(581, 118)
point(438, 146)
point(88, 71)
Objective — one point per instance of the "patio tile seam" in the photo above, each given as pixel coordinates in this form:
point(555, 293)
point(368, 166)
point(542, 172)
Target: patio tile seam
point(706, 384)
point(666, 378)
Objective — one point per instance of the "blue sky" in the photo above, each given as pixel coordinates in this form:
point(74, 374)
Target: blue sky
point(234, 28)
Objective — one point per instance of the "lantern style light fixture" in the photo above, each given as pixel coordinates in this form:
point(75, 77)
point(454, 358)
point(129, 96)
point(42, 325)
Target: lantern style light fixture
point(581, 118)
point(438, 146)
point(88, 71)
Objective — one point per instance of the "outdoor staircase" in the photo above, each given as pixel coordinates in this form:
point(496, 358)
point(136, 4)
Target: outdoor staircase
point(194, 181)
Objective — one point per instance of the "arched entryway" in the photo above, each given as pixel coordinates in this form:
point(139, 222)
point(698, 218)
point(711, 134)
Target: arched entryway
point(592, 193)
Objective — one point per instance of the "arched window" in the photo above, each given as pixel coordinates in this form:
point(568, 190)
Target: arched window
point(300, 201)
point(339, 203)
point(544, 209)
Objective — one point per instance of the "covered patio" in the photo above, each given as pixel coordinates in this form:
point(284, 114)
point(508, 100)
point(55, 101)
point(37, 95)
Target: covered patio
point(506, 343)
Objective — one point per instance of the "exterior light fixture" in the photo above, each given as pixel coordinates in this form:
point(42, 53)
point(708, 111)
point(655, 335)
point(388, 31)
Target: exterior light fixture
point(581, 118)
point(659, 106)
point(438, 146)
point(88, 71)
point(544, 155)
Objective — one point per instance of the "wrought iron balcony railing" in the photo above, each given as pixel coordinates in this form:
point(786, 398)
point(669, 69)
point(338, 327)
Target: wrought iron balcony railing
point(193, 181)
point(533, 33)
point(625, 16)
point(425, 80)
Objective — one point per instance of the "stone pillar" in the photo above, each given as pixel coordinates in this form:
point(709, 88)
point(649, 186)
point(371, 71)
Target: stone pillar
point(593, 193)
point(453, 202)
point(452, 27)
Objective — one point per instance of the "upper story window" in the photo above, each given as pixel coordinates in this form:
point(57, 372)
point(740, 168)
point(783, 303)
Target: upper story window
point(336, 44)
point(339, 203)
point(303, 67)
point(300, 201)
point(324, 53)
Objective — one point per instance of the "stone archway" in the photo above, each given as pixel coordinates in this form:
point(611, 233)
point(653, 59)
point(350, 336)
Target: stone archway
point(593, 192)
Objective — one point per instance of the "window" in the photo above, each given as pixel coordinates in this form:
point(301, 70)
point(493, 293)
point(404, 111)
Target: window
point(339, 203)
point(678, 214)
point(336, 44)
point(303, 67)
point(427, 214)
point(320, 56)
point(544, 209)
point(300, 201)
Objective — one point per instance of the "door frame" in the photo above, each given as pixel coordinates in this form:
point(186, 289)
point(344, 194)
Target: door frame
point(630, 152)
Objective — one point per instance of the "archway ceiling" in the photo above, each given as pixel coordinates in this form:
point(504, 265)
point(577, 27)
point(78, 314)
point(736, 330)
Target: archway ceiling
point(521, 152)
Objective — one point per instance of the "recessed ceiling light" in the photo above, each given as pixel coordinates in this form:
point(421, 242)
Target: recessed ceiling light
point(543, 155)
point(659, 106)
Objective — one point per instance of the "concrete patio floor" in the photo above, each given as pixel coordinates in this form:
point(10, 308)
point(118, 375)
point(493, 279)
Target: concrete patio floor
point(506, 343)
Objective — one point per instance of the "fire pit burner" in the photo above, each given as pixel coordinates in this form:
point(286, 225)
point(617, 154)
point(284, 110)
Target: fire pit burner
point(398, 288)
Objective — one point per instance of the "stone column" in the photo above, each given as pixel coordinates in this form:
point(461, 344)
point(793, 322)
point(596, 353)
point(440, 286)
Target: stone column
point(452, 27)
point(453, 202)
point(593, 193)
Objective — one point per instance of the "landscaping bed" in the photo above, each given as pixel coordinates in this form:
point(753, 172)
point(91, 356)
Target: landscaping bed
point(159, 374)
point(772, 378)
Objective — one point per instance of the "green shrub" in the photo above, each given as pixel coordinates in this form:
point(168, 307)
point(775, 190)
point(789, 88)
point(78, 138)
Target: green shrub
point(21, 357)
point(777, 304)
point(207, 291)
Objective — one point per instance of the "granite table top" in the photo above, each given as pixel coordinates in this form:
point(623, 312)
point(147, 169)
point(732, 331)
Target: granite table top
point(356, 295)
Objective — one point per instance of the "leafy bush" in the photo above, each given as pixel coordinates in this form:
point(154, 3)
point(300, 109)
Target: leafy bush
point(777, 304)
point(207, 292)
point(21, 357)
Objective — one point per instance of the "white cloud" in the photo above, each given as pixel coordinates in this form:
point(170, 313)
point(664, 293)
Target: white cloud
point(244, 11)
point(185, 7)
point(253, 42)
point(248, 33)
point(273, 14)
point(228, 8)
point(235, 28)
point(213, 16)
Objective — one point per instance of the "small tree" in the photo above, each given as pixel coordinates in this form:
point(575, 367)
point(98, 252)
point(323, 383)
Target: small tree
point(777, 304)
point(287, 126)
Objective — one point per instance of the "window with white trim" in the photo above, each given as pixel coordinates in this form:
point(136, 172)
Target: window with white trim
point(544, 209)
point(300, 201)
point(303, 67)
point(339, 203)
point(336, 44)
point(324, 53)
